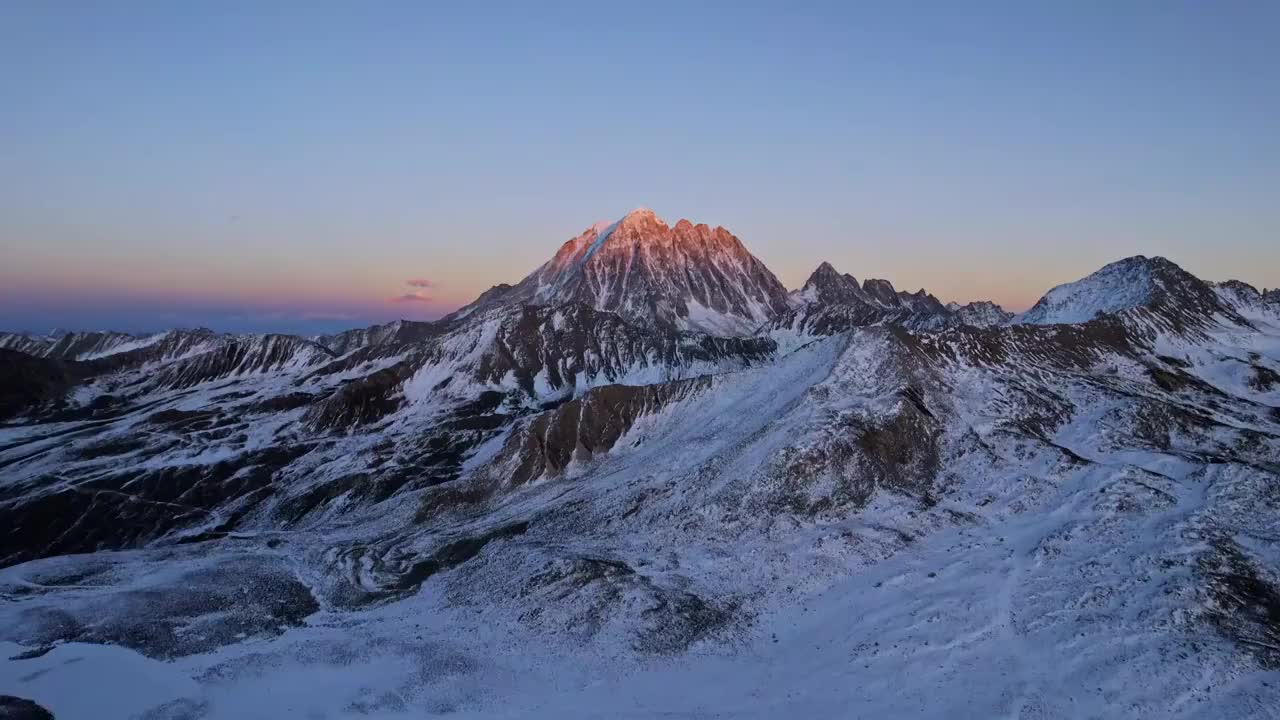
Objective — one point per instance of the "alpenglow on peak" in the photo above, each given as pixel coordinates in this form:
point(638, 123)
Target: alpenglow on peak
point(686, 276)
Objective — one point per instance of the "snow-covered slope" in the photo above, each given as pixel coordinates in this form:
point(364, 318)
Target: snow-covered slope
point(958, 536)
point(559, 503)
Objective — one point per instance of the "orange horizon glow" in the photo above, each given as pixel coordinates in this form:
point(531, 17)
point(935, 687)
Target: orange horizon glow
point(381, 290)
point(362, 283)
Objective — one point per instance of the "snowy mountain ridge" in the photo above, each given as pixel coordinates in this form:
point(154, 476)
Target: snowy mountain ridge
point(646, 481)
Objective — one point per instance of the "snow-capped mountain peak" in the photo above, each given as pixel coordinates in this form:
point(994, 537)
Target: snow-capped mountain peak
point(687, 277)
point(828, 285)
point(831, 300)
point(981, 313)
point(881, 291)
point(1134, 282)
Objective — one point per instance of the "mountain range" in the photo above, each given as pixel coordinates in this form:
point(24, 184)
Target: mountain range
point(648, 479)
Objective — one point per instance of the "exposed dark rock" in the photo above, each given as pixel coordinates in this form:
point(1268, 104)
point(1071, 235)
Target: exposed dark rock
point(259, 354)
point(680, 619)
point(33, 653)
point(1245, 605)
point(1173, 361)
point(827, 286)
point(982, 313)
point(565, 343)
point(1169, 380)
point(902, 454)
point(282, 403)
point(380, 338)
point(1264, 379)
point(185, 420)
point(363, 401)
point(882, 291)
point(442, 500)
point(1078, 346)
point(112, 446)
point(831, 303)
point(587, 426)
point(16, 708)
point(134, 506)
point(26, 381)
point(292, 509)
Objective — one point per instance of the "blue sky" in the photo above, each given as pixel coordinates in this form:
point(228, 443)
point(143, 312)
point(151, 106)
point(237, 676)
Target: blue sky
point(290, 167)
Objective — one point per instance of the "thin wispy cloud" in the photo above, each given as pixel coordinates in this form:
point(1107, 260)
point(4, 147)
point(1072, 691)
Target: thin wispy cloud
point(411, 297)
point(415, 296)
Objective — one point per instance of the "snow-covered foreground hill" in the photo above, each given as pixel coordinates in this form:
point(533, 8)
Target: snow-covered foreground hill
point(553, 511)
point(1011, 618)
point(693, 570)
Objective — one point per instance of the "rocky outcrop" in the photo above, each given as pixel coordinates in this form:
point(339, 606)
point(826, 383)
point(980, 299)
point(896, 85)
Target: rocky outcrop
point(16, 708)
point(575, 345)
point(827, 286)
point(242, 356)
point(586, 427)
point(362, 401)
point(128, 503)
point(831, 302)
point(982, 313)
point(398, 333)
point(75, 345)
point(27, 382)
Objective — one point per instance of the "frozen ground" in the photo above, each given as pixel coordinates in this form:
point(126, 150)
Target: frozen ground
point(1035, 616)
point(1031, 586)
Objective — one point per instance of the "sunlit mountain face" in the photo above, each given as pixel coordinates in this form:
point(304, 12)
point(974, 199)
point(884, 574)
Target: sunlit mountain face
point(648, 479)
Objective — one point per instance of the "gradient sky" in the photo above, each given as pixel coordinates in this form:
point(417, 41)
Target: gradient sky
point(268, 166)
